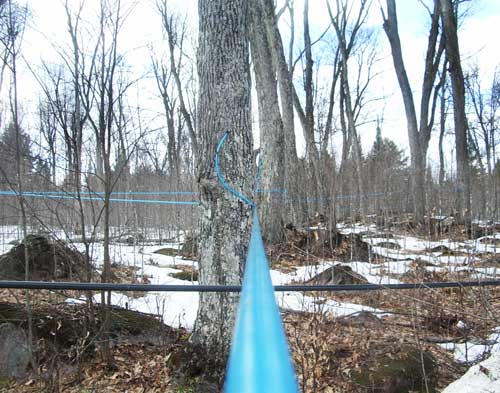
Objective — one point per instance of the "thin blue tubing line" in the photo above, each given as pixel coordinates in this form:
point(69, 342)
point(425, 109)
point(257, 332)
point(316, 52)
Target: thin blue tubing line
point(271, 191)
point(150, 201)
point(221, 179)
point(114, 193)
point(98, 195)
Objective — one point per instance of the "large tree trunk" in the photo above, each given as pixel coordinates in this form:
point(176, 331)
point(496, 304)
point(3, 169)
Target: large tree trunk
point(460, 119)
point(223, 105)
point(271, 131)
point(418, 134)
point(295, 211)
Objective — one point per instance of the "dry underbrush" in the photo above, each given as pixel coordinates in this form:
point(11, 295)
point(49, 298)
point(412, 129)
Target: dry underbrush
point(354, 354)
point(342, 354)
point(331, 354)
point(68, 350)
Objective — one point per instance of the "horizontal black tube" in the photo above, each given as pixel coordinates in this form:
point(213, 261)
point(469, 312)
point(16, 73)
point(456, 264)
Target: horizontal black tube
point(233, 288)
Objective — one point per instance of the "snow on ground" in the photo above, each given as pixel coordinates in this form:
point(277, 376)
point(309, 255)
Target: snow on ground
point(180, 308)
point(355, 228)
point(297, 301)
point(304, 273)
point(481, 378)
point(8, 236)
point(473, 350)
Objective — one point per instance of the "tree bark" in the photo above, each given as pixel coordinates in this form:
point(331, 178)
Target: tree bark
point(458, 92)
point(296, 212)
point(272, 156)
point(223, 105)
point(442, 130)
point(418, 136)
point(312, 153)
point(347, 36)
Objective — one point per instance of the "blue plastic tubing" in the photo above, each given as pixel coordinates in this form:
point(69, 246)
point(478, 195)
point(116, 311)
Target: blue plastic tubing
point(259, 360)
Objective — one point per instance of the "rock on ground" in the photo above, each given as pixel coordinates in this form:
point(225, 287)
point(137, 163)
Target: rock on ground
point(48, 260)
point(14, 353)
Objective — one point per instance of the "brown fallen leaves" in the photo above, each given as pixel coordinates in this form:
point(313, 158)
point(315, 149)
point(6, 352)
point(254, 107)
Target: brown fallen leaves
point(137, 368)
point(329, 352)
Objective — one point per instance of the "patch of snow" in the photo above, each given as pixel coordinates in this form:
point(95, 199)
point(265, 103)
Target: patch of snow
point(355, 228)
point(178, 309)
point(371, 272)
point(297, 301)
point(471, 351)
point(481, 378)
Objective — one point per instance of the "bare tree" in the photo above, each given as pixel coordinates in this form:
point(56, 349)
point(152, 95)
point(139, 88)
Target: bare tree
point(306, 114)
point(99, 89)
point(443, 112)
point(449, 19)
point(347, 36)
point(176, 31)
point(14, 18)
point(163, 77)
point(418, 131)
point(483, 127)
point(272, 156)
point(223, 105)
point(295, 213)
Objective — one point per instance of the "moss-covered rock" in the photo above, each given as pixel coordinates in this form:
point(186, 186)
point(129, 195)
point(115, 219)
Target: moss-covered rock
point(398, 370)
point(167, 251)
point(187, 275)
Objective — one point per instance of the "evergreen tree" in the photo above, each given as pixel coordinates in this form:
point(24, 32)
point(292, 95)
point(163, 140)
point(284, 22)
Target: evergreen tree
point(387, 170)
point(9, 145)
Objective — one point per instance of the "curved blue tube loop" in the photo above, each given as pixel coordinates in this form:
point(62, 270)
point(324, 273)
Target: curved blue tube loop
point(221, 179)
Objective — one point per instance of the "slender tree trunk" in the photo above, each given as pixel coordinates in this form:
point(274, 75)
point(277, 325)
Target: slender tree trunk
point(223, 105)
point(271, 131)
point(296, 212)
point(174, 67)
point(346, 148)
point(460, 119)
point(307, 115)
point(13, 24)
point(417, 157)
point(442, 130)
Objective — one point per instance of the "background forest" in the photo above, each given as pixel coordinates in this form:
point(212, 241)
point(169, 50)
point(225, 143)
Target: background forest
point(339, 125)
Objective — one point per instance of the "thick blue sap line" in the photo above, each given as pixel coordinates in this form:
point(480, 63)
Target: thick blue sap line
point(260, 360)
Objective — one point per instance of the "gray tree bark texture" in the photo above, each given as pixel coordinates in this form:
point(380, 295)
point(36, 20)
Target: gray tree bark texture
point(349, 111)
point(295, 212)
point(460, 119)
point(418, 136)
point(223, 105)
point(272, 154)
point(308, 113)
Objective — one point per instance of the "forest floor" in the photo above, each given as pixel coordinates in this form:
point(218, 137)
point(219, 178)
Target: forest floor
point(386, 341)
